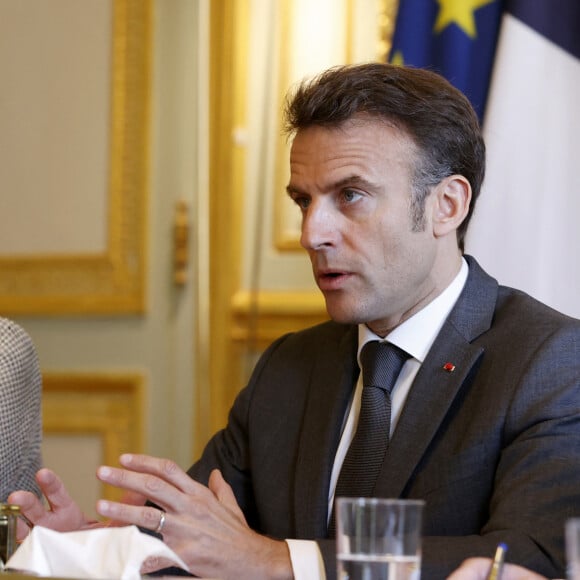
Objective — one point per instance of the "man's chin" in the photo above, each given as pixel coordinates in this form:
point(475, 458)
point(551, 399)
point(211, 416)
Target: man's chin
point(342, 314)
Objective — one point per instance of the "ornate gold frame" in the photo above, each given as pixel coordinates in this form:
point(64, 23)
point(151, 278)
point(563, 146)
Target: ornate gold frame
point(109, 405)
point(112, 282)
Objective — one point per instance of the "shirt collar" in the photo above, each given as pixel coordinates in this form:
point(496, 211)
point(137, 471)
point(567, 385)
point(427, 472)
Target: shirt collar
point(416, 335)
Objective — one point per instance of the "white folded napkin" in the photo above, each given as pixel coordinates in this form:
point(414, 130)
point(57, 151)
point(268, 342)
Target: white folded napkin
point(98, 553)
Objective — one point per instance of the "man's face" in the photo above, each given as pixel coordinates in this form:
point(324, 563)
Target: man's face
point(353, 185)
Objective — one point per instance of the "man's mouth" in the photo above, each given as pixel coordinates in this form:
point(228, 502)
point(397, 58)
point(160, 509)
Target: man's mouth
point(330, 273)
point(332, 279)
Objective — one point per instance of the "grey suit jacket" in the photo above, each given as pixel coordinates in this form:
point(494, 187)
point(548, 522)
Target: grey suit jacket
point(20, 411)
point(492, 447)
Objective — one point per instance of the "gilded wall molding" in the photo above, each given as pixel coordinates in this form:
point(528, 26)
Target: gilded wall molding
point(229, 39)
point(387, 17)
point(262, 317)
point(107, 405)
point(114, 281)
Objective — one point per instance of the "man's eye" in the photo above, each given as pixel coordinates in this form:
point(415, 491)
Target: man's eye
point(302, 202)
point(350, 195)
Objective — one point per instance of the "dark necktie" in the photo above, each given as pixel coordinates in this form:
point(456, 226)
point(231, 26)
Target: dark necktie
point(381, 364)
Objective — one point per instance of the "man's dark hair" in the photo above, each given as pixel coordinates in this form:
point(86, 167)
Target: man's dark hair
point(438, 118)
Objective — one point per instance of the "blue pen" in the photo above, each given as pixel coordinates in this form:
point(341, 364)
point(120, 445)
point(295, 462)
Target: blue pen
point(497, 564)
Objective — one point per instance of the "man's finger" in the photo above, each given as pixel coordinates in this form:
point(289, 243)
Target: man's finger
point(63, 515)
point(165, 469)
point(159, 480)
point(146, 517)
point(224, 493)
point(31, 509)
point(54, 490)
point(144, 484)
point(30, 506)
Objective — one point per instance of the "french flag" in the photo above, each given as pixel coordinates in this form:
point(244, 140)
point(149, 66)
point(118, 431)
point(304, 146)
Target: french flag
point(526, 227)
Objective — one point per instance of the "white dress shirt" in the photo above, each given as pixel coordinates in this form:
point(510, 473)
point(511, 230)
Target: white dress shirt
point(415, 336)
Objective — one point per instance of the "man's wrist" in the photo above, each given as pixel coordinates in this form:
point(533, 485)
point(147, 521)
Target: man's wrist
point(280, 564)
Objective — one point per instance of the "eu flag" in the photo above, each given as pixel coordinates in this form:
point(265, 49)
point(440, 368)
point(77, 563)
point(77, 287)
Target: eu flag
point(456, 38)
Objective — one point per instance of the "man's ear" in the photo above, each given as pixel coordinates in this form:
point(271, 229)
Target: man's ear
point(451, 204)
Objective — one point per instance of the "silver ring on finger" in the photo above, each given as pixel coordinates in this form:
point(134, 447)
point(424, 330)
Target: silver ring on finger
point(161, 523)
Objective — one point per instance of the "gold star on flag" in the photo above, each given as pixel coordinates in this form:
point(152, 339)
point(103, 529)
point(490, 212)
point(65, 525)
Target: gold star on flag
point(460, 12)
point(397, 58)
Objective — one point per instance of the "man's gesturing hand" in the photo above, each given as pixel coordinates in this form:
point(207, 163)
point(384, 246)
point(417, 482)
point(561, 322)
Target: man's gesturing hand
point(203, 525)
point(62, 514)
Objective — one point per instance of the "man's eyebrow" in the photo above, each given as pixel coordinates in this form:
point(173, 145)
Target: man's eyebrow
point(291, 190)
point(352, 180)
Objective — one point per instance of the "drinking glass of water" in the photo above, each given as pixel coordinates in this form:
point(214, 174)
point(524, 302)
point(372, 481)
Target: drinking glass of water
point(573, 548)
point(378, 539)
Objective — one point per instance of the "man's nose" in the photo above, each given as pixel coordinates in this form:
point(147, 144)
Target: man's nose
point(318, 228)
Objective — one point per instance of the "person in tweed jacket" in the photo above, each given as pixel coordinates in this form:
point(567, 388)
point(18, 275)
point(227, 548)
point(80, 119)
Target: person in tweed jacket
point(20, 411)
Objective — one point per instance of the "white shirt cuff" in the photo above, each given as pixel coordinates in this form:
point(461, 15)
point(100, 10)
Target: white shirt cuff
point(307, 563)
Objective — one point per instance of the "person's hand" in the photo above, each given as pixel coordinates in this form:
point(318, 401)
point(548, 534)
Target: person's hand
point(62, 513)
point(203, 525)
point(478, 569)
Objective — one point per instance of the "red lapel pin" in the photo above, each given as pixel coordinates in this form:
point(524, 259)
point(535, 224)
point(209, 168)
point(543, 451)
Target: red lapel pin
point(449, 367)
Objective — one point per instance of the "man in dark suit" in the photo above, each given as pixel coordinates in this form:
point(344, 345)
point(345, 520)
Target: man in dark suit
point(386, 166)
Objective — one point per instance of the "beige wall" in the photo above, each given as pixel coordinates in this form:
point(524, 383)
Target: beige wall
point(159, 345)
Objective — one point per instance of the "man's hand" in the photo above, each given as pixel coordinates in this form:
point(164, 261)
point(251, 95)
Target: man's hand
point(203, 525)
point(62, 514)
point(478, 569)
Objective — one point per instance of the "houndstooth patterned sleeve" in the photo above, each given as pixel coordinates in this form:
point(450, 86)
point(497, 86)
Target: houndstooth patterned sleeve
point(20, 410)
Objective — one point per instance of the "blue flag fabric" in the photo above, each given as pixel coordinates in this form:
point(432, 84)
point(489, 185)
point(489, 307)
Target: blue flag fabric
point(556, 20)
point(455, 38)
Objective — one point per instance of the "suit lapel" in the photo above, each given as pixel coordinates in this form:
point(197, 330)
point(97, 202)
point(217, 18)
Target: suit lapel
point(428, 402)
point(434, 387)
point(331, 384)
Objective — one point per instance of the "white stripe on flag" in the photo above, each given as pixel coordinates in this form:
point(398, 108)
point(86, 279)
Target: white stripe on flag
point(526, 226)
